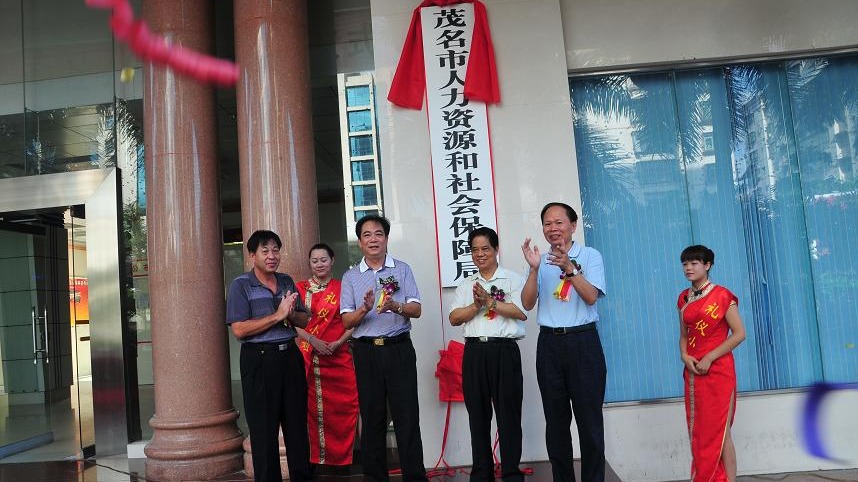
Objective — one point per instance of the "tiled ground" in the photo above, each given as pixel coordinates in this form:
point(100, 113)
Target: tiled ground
point(120, 469)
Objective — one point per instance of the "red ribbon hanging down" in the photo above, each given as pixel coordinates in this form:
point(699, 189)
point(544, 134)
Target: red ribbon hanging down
point(155, 49)
point(481, 77)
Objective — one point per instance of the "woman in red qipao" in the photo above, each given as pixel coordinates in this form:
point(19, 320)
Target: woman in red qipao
point(709, 329)
point(332, 401)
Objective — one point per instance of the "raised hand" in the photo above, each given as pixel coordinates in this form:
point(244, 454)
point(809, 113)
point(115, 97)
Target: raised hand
point(481, 296)
point(531, 254)
point(560, 258)
point(388, 305)
point(287, 304)
point(369, 299)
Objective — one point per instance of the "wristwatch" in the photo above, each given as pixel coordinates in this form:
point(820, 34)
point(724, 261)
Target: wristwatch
point(573, 273)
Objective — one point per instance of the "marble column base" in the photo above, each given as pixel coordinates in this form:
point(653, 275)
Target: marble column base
point(197, 450)
point(248, 457)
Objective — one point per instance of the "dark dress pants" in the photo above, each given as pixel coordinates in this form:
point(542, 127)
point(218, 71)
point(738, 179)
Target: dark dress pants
point(491, 375)
point(388, 375)
point(571, 367)
point(274, 387)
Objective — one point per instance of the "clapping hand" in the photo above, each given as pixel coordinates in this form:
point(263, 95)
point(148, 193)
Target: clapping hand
point(388, 305)
point(560, 258)
point(369, 299)
point(481, 296)
point(531, 254)
point(287, 304)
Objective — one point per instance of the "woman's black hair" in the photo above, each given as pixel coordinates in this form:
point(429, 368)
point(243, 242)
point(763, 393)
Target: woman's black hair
point(698, 252)
point(321, 246)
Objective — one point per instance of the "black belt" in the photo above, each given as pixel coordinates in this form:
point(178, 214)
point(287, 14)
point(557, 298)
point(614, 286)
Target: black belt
point(489, 339)
point(384, 340)
point(562, 330)
point(262, 347)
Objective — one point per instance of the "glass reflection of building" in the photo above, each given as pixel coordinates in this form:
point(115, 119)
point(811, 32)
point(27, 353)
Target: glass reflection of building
point(71, 99)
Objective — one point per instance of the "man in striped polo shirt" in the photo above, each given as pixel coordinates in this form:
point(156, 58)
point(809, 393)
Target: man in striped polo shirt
point(262, 309)
point(379, 298)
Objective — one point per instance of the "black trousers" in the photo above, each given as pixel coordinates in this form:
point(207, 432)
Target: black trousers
point(571, 367)
point(274, 387)
point(491, 375)
point(388, 375)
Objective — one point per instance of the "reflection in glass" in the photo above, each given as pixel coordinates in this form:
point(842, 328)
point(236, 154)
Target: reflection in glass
point(360, 145)
point(357, 96)
point(365, 195)
point(363, 171)
point(360, 120)
point(824, 102)
point(755, 161)
point(361, 213)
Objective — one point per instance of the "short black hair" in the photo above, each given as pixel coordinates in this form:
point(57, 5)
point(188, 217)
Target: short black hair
point(573, 216)
point(321, 246)
point(261, 237)
point(698, 252)
point(385, 224)
point(489, 234)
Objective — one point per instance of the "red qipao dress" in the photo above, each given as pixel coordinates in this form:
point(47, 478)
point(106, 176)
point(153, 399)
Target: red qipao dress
point(709, 399)
point(332, 400)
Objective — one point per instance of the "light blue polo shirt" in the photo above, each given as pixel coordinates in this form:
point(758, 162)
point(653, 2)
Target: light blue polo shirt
point(360, 278)
point(556, 313)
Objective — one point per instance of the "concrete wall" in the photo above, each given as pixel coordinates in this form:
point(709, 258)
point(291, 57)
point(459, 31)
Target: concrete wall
point(532, 127)
point(614, 33)
point(537, 42)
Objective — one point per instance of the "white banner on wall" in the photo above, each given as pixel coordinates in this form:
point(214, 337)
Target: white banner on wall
point(459, 139)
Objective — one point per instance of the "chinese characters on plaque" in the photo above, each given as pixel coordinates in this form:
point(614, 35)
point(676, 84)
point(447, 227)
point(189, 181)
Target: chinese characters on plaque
point(459, 139)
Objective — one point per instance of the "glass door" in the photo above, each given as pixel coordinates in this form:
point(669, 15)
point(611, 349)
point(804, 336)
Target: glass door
point(46, 392)
point(25, 341)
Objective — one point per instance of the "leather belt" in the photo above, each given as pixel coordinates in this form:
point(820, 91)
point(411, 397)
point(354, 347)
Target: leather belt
point(262, 347)
point(488, 339)
point(562, 330)
point(384, 340)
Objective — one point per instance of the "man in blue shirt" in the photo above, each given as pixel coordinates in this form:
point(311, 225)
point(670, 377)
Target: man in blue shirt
point(262, 309)
point(379, 298)
point(570, 364)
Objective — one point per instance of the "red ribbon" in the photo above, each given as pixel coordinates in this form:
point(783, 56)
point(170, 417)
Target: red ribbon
point(156, 49)
point(481, 77)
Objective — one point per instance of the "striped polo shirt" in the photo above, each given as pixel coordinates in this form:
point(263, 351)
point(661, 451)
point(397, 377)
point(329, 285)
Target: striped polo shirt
point(249, 299)
point(360, 278)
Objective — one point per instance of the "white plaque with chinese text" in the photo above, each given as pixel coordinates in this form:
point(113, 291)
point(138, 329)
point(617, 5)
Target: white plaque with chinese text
point(459, 138)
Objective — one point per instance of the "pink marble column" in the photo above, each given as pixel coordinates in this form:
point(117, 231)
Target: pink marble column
point(275, 128)
point(195, 432)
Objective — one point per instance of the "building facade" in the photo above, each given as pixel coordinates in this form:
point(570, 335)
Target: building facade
point(663, 124)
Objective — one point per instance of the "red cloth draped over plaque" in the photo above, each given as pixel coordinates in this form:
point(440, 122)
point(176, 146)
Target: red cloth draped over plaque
point(481, 78)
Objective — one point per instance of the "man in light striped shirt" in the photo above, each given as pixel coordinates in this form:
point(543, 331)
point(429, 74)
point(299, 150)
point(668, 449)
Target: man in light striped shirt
point(379, 298)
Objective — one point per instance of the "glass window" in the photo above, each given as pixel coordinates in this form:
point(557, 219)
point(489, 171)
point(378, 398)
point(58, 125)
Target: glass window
point(712, 157)
point(361, 214)
point(360, 145)
point(360, 120)
point(363, 171)
point(365, 195)
point(357, 96)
